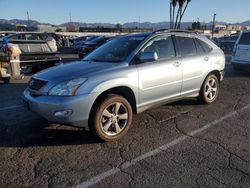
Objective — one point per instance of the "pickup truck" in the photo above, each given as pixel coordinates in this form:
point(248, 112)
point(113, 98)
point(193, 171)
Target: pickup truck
point(35, 53)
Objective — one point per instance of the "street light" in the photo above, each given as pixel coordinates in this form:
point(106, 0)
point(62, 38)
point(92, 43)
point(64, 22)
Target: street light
point(213, 27)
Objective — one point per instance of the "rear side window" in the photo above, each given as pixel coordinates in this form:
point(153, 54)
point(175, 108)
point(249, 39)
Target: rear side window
point(187, 46)
point(202, 47)
point(245, 39)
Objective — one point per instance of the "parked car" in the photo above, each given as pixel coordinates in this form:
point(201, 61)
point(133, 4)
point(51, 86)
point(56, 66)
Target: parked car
point(91, 45)
point(6, 33)
point(241, 53)
point(58, 38)
point(36, 37)
point(35, 53)
point(81, 40)
point(227, 43)
point(127, 75)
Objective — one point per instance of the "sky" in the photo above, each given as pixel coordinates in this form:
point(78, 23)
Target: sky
point(121, 11)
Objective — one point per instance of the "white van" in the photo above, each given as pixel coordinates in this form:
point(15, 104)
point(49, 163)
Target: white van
point(241, 53)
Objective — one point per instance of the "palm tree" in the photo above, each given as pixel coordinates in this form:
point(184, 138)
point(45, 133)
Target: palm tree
point(179, 14)
point(183, 12)
point(175, 21)
point(173, 4)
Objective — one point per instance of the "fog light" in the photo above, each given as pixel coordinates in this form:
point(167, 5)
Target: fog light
point(63, 113)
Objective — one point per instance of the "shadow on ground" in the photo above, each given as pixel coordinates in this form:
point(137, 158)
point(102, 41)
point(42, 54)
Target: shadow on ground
point(42, 133)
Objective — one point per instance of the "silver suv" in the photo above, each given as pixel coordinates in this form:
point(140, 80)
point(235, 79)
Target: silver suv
point(127, 75)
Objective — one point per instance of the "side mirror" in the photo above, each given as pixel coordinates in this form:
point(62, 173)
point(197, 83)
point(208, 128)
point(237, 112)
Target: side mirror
point(148, 57)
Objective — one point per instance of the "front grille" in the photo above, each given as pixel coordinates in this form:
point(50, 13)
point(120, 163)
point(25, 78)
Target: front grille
point(36, 84)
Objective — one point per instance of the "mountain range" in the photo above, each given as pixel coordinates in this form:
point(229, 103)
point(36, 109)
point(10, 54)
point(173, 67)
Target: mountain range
point(158, 25)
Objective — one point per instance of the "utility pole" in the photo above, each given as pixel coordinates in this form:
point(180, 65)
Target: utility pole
point(70, 19)
point(28, 18)
point(213, 27)
point(139, 23)
point(171, 14)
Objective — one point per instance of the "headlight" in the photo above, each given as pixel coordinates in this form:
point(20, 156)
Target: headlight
point(68, 88)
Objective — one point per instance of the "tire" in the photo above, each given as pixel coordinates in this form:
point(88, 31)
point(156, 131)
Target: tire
point(26, 69)
point(210, 90)
point(111, 118)
point(6, 80)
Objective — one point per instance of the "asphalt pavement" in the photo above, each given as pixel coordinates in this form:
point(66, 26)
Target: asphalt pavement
point(183, 144)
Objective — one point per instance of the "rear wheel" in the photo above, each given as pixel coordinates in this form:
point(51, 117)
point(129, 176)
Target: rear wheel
point(210, 90)
point(111, 118)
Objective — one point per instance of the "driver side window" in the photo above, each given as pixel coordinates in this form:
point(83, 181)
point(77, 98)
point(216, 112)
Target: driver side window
point(163, 46)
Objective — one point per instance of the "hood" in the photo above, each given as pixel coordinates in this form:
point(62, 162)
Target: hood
point(75, 70)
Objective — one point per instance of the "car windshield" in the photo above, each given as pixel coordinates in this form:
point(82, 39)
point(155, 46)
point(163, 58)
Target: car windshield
point(116, 50)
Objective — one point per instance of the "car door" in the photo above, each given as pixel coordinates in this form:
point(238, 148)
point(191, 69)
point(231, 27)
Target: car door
point(160, 80)
point(243, 48)
point(195, 62)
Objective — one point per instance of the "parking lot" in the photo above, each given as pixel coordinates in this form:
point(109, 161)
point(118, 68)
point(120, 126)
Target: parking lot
point(182, 144)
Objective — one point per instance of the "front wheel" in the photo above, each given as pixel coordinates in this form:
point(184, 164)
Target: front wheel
point(111, 119)
point(210, 90)
point(26, 69)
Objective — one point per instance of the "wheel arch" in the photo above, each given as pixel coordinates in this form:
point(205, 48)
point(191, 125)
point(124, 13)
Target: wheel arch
point(216, 73)
point(123, 91)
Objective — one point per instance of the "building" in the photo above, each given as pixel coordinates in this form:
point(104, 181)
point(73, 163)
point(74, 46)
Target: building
point(46, 28)
point(21, 27)
point(231, 27)
point(247, 27)
point(72, 28)
point(220, 27)
point(113, 30)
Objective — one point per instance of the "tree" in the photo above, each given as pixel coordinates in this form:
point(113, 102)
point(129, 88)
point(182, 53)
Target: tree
point(196, 25)
point(58, 29)
point(119, 27)
point(175, 21)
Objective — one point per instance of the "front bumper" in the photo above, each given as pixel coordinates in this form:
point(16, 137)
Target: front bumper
point(48, 106)
point(222, 75)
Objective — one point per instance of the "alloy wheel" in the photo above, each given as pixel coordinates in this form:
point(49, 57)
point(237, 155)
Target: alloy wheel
point(211, 89)
point(114, 119)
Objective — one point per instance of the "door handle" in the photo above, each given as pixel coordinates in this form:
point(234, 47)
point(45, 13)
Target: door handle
point(177, 64)
point(206, 58)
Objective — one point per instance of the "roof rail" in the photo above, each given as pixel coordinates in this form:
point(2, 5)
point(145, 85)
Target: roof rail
point(175, 30)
